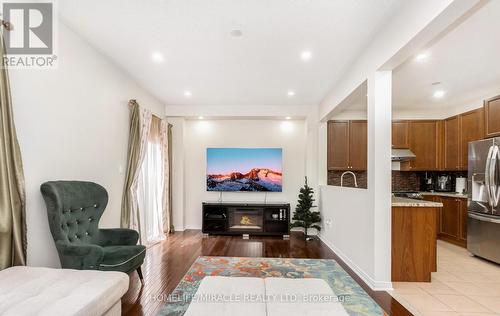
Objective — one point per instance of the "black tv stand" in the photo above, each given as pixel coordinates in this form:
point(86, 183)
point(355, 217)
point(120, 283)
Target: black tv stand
point(231, 218)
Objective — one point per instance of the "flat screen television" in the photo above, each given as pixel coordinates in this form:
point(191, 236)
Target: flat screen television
point(244, 169)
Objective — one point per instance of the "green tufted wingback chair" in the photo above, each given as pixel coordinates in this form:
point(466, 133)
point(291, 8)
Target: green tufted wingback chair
point(74, 209)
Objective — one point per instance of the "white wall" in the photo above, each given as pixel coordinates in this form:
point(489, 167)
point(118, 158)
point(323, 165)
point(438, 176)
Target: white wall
point(201, 134)
point(348, 227)
point(72, 124)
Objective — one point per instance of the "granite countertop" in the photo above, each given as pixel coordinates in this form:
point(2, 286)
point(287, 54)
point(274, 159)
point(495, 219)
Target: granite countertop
point(450, 194)
point(406, 202)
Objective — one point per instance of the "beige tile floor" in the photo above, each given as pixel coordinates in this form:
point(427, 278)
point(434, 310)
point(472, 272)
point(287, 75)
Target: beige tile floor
point(462, 286)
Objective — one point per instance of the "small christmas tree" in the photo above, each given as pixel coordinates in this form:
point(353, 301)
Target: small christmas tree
point(303, 216)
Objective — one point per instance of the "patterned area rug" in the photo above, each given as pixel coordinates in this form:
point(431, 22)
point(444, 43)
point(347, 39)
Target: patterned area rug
point(354, 299)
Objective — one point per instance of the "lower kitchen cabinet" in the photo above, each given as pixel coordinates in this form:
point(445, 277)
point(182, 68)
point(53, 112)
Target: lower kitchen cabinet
point(450, 218)
point(463, 223)
point(435, 198)
point(413, 252)
point(452, 221)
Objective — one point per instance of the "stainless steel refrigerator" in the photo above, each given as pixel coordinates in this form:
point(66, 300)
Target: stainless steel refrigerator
point(483, 222)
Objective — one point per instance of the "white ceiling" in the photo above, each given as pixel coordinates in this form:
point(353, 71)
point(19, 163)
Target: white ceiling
point(201, 56)
point(466, 61)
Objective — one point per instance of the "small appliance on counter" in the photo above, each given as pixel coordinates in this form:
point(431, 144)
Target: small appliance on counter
point(461, 185)
point(443, 183)
point(428, 184)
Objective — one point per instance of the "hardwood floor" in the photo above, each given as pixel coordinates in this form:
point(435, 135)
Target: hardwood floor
point(167, 262)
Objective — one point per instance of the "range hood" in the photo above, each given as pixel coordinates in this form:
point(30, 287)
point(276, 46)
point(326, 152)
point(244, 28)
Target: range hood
point(402, 155)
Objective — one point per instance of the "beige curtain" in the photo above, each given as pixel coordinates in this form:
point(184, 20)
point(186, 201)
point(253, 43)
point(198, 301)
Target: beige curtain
point(12, 194)
point(140, 123)
point(166, 141)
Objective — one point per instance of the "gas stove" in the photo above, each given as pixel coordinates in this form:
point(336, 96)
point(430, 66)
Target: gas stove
point(409, 194)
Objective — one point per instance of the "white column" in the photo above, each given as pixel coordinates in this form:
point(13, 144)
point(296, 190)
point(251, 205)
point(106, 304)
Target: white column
point(379, 169)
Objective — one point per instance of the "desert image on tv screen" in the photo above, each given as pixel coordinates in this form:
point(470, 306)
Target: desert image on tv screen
point(244, 169)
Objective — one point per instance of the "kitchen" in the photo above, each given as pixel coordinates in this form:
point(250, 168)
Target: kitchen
point(445, 153)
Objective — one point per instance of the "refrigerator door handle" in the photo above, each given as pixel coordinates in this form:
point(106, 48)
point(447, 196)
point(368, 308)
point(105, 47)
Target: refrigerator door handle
point(484, 218)
point(495, 196)
point(487, 175)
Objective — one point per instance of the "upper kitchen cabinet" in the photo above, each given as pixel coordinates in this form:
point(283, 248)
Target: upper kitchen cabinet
point(451, 158)
point(358, 145)
point(492, 116)
point(347, 145)
point(400, 135)
point(471, 129)
point(338, 145)
point(424, 141)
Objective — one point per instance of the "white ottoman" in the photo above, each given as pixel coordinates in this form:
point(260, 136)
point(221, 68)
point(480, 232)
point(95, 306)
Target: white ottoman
point(229, 296)
point(45, 291)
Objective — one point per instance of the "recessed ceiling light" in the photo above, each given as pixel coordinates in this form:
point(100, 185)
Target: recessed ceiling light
point(288, 118)
point(200, 117)
point(157, 57)
point(306, 55)
point(438, 94)
point(236, 33)
point(422, 57)
point(290, 93)
point(187, 94)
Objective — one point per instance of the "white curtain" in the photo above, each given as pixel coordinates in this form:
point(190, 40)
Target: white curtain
point(135, 208)
point(152, 187)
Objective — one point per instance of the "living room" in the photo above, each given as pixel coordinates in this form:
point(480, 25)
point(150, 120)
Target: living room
point(180, 158)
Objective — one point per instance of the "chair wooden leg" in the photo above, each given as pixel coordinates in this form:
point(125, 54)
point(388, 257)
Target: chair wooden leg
point(139, 272)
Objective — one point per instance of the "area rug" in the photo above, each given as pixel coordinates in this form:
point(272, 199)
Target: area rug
point(353, 298)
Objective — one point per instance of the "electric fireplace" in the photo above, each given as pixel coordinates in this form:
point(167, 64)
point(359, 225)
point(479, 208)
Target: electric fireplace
point(245, 219)
point(232, 218)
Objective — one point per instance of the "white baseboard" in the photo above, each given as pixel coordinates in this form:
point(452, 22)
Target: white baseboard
point(192, 227)
point(373, 284)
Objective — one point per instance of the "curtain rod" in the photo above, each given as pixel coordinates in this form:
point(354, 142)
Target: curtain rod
point(131, 102)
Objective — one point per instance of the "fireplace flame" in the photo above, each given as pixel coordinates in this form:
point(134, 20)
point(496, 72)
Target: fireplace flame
point(245, 220)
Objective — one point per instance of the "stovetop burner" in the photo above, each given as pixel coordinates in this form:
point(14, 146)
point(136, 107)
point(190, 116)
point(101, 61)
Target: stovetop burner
point(409, 194)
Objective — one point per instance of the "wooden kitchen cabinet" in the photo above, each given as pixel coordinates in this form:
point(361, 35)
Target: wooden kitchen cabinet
point(454, 220)
point(358, 145)
point(400, 134)
point(463, 222)
point(458, 131)
point(471, 129)
point(413, 253)
point(435, 198)
point(347, 145)
point(450, 217)
point(492, 116)
point(338, 145)
point(451, 141)
point(424, 141)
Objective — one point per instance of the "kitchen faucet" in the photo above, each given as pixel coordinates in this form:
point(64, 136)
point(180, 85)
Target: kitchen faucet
point(353, 175)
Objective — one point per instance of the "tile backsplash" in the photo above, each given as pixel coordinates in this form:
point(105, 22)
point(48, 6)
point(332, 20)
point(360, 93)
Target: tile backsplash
point(405, 181)
point(415, 181)
point(361, 177)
